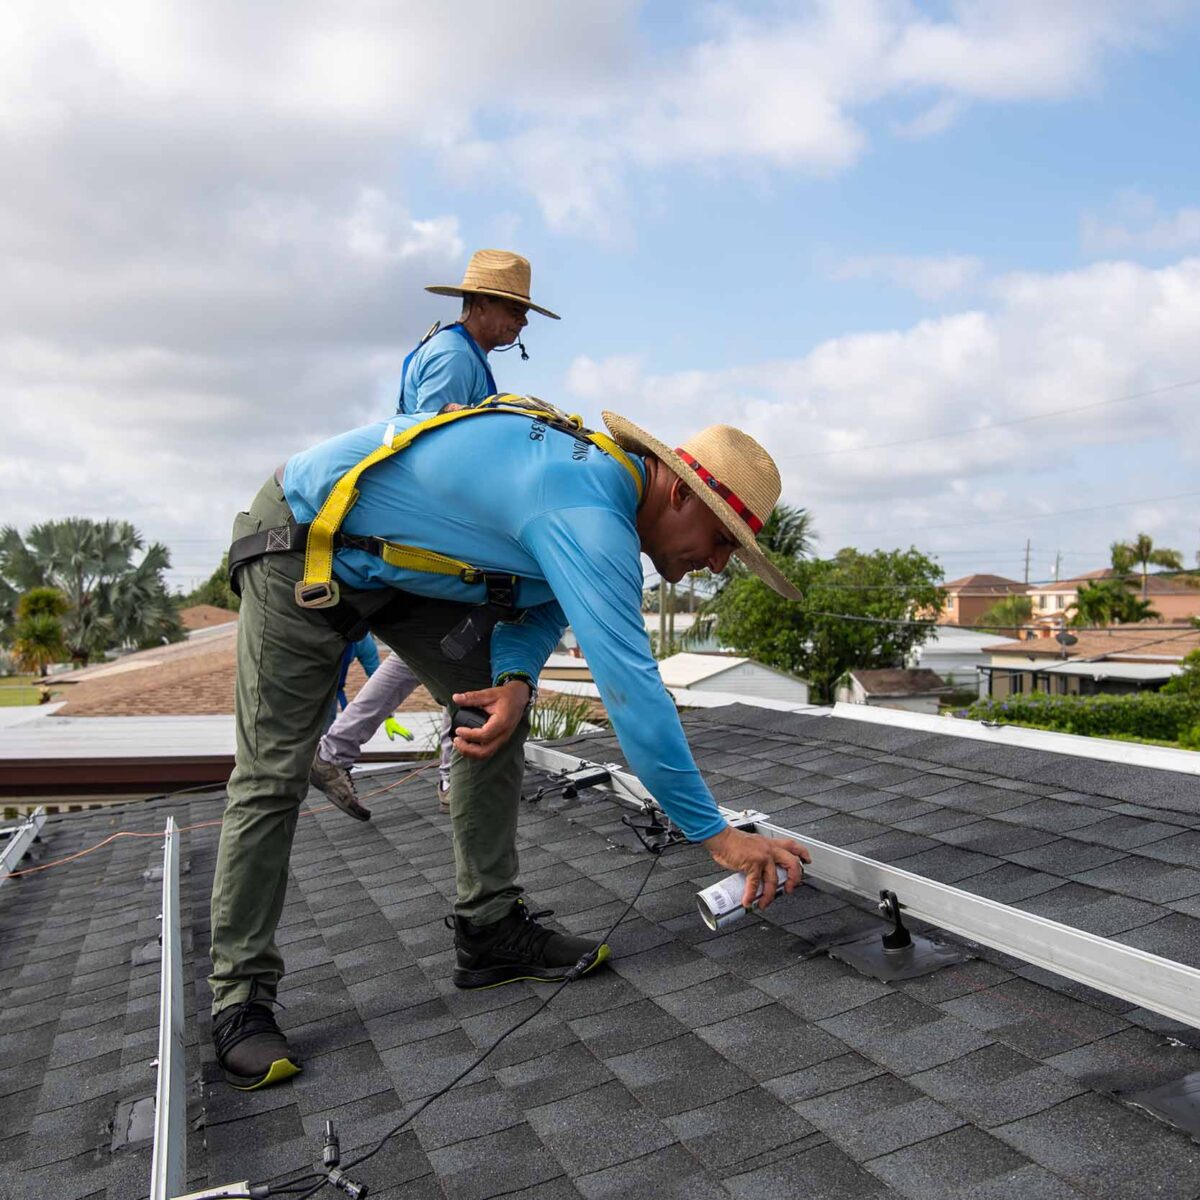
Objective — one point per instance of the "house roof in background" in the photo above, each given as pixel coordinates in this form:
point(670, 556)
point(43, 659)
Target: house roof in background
point(900, 681)
point(189, 678)
point(1162, 643)
point(984, 585)
point(201, 616)
point(1156, 584)
point(740, 1064)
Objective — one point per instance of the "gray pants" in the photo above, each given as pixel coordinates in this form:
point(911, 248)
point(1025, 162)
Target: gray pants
point(379, 697)
point(287, 672)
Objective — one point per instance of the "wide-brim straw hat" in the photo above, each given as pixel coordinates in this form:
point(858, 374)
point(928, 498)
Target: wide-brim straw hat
point(732, 474)
point(494, 273)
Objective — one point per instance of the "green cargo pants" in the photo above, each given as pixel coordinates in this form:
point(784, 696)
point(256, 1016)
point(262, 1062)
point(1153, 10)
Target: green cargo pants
point(287, 663)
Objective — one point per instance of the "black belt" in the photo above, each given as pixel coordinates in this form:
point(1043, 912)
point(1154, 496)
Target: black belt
point(351, 617)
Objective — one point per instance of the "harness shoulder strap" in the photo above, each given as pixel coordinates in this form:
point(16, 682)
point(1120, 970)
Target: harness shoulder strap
point(318, 590)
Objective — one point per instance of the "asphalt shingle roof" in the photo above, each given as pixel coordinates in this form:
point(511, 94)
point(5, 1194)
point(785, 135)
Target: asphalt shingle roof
point(745, 1063)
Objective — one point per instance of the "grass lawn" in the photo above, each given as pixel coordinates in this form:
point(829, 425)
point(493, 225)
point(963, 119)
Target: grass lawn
point(16, 690)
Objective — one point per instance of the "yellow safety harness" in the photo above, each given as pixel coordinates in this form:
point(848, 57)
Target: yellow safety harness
point(318, 588)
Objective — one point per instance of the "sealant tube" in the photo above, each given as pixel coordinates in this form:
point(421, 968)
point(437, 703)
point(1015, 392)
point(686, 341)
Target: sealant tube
point(721, 902)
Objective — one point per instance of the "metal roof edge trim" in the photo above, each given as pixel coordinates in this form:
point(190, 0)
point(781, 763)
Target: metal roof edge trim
point(1132, 754)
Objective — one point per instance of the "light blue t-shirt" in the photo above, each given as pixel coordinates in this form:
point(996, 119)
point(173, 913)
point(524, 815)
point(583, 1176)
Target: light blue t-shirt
point(450, 368)
point(507, 493)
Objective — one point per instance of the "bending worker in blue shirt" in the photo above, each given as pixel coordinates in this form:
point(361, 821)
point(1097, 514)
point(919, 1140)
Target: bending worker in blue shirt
point(467, 542)
point(448, 369)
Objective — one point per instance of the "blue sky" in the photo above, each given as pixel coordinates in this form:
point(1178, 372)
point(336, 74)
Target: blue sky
point(837, 225)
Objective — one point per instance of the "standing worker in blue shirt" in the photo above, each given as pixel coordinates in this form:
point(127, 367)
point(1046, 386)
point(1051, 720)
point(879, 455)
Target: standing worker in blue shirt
point(449, 369)
point(467, 542)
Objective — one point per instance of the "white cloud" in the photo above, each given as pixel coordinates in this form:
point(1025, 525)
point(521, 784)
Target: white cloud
point(1044, 342)
point(1134, 222)
point(931, 278)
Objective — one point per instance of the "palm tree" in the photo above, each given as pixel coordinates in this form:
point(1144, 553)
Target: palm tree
point(1143, 551)
point(788, 532)
point(1109, 602)
point(111, 600)
point(1008, 614)
point(37, 636)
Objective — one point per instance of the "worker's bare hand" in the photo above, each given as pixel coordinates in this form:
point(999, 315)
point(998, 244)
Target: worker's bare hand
point(757, 857)
point(505, 707)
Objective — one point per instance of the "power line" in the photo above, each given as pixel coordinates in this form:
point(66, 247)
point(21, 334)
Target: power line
point(1061, 512)
point(952, 433)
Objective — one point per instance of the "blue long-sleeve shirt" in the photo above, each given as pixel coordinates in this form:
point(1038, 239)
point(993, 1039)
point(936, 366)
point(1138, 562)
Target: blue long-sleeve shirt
point(506, 493)
point(450, 368)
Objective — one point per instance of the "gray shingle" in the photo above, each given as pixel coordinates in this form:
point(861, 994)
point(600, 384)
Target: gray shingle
point(1033, 1019)
point(995, 1084)
point(743, 1127)
point(630, 1027)
point(820, 987)
point(494, 1165)
point(1108, 1151)
point(1176, 936)
point(553, 1076)
point(600, 1128)
point(668, 1077)
point(672, 1174)
point(769, 1041)
point(904, 1035)
point(827, 1076)
point(1131, 1060)
point(946, 1166)
point(822, 1173)
point(877, 1116)
point(1144, 878)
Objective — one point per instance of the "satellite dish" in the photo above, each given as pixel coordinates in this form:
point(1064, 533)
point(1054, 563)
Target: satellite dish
point(1065, 639)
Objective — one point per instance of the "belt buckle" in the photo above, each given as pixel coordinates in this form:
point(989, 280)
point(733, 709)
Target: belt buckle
point(317, 595)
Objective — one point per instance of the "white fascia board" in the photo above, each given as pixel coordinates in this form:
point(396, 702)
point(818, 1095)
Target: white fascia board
point(686, 698)
point(1159, 758)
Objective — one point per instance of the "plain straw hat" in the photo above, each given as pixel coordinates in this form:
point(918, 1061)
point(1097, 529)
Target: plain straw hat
point(731, 473)
point(494, 273)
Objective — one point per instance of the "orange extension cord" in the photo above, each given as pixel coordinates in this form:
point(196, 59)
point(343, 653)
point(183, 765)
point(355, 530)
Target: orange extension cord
point(112, 837)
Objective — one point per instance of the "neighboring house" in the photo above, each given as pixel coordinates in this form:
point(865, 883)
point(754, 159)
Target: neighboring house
point(957, 655)
point(730, 674)
point(1122, 659)
point(1171, 596)
point(968, 598)
point(203, 616)
point(911, 689)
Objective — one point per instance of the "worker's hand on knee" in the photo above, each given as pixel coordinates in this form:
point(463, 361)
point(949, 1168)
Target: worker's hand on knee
point(505, 707)
point(757, 857)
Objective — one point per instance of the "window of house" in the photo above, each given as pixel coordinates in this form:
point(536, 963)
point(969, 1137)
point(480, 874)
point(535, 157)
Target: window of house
point(1041, 602)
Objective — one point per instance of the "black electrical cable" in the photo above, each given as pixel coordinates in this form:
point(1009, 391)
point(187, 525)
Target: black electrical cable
point(285, 1187)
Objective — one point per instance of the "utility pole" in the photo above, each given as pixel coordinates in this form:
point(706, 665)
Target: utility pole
point(671, 621)
point(662, 617)
point(1057, 564)
point(1027, 560)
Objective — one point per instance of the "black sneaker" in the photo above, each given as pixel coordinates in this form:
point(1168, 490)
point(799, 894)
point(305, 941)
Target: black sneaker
point(250, 1048)
point(517, 947)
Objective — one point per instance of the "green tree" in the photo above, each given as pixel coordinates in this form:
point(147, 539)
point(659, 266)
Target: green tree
point(1188, 683)
point(37, 635)
point(1008, 615)
point(214, 590)
point(1109, 602)
point(856, 611)
point(111, 599)
point(788, 532)
point(1143, 552)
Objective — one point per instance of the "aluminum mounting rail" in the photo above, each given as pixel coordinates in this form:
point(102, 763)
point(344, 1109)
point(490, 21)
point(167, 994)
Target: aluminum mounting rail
point(21, 838)
point(1159, 984)
point(168, 1168)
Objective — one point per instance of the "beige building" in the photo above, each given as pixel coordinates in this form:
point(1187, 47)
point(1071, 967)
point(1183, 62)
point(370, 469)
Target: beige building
point(1125, 658)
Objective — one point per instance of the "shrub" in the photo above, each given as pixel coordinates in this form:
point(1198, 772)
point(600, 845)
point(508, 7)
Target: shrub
point(1152, 715)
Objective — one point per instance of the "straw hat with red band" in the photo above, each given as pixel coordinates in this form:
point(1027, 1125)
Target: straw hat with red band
point(731, 473)
point(494, 273)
